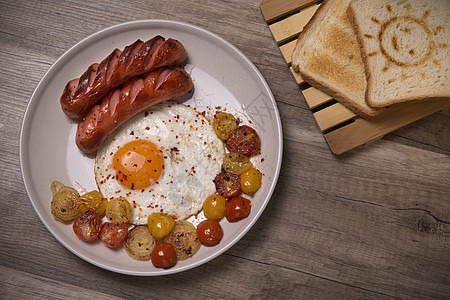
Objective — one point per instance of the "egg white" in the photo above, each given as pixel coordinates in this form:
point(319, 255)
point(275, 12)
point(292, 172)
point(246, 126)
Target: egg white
point(192, 158)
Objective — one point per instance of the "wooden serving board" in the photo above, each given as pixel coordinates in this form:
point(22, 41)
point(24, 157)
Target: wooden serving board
point(343, 130)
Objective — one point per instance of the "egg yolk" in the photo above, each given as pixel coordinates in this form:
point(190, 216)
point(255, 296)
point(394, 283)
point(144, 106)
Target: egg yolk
point(138, 164)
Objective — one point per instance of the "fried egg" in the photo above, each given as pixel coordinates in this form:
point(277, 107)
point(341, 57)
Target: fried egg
point(162, 160)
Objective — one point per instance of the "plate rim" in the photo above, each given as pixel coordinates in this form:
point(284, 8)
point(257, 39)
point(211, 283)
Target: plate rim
point(27, 116)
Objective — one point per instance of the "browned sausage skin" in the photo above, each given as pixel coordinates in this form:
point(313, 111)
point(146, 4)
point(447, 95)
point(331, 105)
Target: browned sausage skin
point(81, 94)
point(122, 104)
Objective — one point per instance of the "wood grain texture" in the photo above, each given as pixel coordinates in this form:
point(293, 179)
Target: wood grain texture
point(273, 9)
point(291, 26)
point(287, 50)
point(315, 97)
point(362, 131)
point(373, 223)
point(343, 128)
point(333, 115)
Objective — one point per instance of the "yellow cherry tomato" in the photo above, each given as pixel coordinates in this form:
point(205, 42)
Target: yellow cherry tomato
point(118, 210)
point(160, 225)
point(93, 201)
point(214, 207)
point(251, 181)
point(223, 124)
point(236, 163)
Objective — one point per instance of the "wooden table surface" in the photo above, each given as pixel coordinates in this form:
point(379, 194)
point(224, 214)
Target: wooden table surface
point(373, 223)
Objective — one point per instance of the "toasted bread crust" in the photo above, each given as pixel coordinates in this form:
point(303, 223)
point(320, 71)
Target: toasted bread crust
point(363, 50)
point(415, 78)
point(306, 31)
point(327, 57)
point(343, 99)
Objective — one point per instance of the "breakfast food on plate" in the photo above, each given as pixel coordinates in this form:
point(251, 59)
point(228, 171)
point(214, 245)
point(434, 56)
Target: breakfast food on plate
point(236, 163)
point(87, 226)
point(209, 232)
point(214, 207)
point(81, 94)
point(92, 201)
point(160, 166)
point(123, 103)
point(405, 47)
point(327, 55)
point(184, 240)
point(139, 243)
point(160, 225)
point(223, 124)
point(228, 185)
point(64, 205)
point(237, 208)
point(156, 174)
point(251, 181)
point(164, 256)
point(243, 140)
point(113, 234)
point(162, 160)
point(118, 210)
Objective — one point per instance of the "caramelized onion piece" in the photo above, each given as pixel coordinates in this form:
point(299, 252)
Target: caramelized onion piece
point(140, 243)
point(184, 239)
point(64, 204)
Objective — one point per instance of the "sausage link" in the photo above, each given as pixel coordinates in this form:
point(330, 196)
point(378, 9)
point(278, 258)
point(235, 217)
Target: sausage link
point(122, 104)
point(81, 94)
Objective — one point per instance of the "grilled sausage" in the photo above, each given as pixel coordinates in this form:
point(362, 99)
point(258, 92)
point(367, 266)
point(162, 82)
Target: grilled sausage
point(122, 104)
point(81, 94)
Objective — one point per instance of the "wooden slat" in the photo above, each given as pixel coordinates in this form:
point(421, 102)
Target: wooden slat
point(274, 9)
point(332, 116)
point(290, 27)
point(297, 76)
point(315, 97)
point(286, 19)
point(287, 50)
point(363, 131)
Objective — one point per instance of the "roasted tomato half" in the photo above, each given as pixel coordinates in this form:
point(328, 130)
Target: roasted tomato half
point(113, 234)
point(227, 184)
point(243, 140)
point(87, 225)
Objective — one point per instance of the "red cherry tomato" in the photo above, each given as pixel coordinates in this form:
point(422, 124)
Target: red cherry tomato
point(227, 184)
point(237, 209)
point(87, 225)
point(113, 234)
point(209, 232)
point(243, 140)
point(164, 255)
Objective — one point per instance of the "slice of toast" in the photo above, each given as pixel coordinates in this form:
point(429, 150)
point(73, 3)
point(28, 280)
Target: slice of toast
point(405, 49)
point(328, 57)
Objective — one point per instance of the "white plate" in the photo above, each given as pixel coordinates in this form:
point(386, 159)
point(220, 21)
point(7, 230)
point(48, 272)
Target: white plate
point(222, 76)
